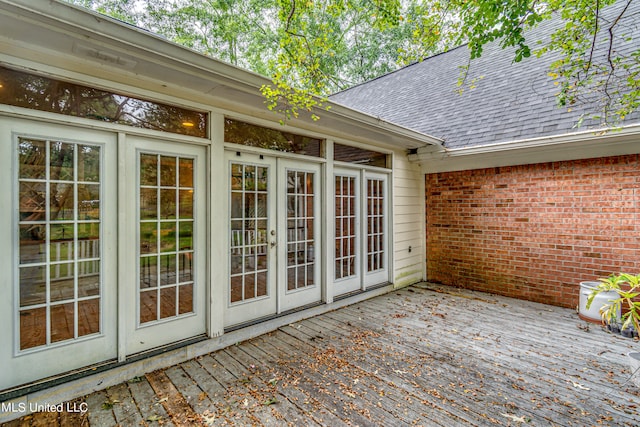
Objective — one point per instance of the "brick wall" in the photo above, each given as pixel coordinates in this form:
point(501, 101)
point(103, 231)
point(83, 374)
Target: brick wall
point(534, 231)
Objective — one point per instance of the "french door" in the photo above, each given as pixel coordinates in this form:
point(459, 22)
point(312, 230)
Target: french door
point(298, 221)
point(273, 234)
point(361, 229)
point(58, 310)
point(163, 267)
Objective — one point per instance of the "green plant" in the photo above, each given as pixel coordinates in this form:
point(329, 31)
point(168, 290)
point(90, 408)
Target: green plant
point(627, 286)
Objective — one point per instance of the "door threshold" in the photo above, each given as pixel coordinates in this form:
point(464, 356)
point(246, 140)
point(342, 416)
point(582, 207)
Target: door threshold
point(271, 317)
point(361, 291)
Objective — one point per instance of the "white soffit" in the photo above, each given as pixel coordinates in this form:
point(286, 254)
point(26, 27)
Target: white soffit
point(68, 37)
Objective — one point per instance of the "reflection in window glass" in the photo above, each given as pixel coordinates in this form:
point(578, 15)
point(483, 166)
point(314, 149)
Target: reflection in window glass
point(248, 245)
point(243, 133)
point(45, 94)
point(346, 153)
point(166, 228)
point(59, 236)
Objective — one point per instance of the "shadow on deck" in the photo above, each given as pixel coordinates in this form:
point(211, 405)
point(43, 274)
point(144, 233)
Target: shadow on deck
point(424, 355)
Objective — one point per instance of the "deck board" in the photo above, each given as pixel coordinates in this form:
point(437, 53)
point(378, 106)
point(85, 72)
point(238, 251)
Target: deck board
point(425, 355)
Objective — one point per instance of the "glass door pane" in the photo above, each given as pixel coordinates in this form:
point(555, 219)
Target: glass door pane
point(346, 231)
point(301, 238)
point(166, 224)
point(375, 225)
point(60, 216)
point(248, 231)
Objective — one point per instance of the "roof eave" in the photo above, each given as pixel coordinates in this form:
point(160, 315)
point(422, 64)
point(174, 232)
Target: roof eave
point(602, 142)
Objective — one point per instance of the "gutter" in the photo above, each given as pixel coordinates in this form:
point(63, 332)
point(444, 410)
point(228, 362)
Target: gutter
point(603, 142)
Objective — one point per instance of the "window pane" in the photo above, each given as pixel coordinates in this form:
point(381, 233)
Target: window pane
point(167, 171)
point(32, 243)
point(88, 317)
point(148, 169)
point(148, 306)
point(56, 96)
point(346, 153)
point(186, 172)
point(33, 286)
point(59, 228)
point(88, 163)
point(168, 302)
point(33, 328)
point(33, 201)
point(61, 163)
point(62, 323)
point(185, 299)
point(61, 202)
point(252, 135)
point(88, 201)
point(32, 159)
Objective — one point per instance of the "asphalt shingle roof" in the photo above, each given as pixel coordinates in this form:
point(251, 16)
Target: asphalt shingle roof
point(511, 101)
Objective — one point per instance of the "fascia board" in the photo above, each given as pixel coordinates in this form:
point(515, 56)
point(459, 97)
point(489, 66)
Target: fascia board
point(579, 145)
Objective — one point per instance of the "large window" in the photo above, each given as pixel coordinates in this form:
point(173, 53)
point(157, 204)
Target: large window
point(360, 156)
point(46, 94)
point(59, 236)
point(252, 135)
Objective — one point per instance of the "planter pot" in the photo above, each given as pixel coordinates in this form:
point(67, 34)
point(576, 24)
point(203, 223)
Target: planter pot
point(593, 313)
point(634, 363)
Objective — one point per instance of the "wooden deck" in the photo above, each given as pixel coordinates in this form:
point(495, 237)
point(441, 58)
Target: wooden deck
point(425, 355)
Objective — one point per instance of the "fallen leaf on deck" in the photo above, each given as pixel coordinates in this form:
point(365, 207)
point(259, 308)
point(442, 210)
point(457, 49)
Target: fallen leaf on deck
point(208, 418)
point(521, 419)
point(154, 418)
point(580, 386)
point(271, 401)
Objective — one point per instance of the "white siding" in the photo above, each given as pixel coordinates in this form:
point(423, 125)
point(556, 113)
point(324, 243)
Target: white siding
point(408, 221)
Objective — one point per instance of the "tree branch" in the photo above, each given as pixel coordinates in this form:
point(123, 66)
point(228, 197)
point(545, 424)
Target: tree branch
point(611, 33)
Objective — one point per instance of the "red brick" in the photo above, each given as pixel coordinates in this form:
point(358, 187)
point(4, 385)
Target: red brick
point(534, 231)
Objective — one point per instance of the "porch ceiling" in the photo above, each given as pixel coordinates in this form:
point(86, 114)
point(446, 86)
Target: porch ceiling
point(82, 42)
point(424, 355)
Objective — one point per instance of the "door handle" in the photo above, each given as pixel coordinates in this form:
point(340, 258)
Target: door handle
point(273, 242)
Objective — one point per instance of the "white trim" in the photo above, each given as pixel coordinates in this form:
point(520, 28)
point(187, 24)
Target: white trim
point(328, 240)
point(228, 146)
point(218, 233)
point(573, 146)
